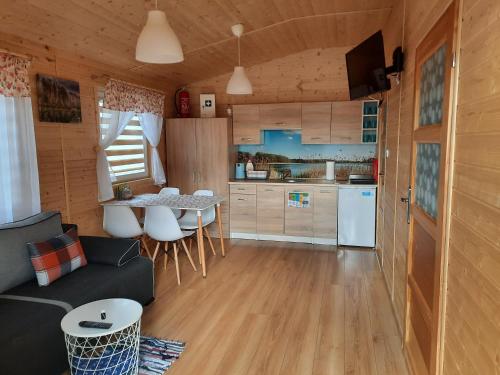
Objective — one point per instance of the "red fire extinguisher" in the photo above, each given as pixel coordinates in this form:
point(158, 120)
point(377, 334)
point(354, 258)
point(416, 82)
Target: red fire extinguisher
point(375, 169)
point(182, 102)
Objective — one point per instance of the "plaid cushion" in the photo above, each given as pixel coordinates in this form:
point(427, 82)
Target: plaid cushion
point(57, 257)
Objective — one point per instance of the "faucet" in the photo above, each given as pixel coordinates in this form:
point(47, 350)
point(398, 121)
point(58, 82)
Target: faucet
point(286, 173)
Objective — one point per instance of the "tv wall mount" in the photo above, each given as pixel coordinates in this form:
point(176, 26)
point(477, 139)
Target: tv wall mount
point(397, 62)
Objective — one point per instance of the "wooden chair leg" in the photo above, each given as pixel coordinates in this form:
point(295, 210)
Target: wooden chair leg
point(156, 252)
point(209, 240)
point(165, 259)
point(177, 264)
point(145, 245)
point(188, 253)
point(199, 251)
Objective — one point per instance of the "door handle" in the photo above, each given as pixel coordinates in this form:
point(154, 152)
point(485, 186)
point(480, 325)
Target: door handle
point(407, 200)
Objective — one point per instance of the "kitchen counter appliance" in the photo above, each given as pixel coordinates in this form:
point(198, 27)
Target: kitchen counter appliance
point(356, 215)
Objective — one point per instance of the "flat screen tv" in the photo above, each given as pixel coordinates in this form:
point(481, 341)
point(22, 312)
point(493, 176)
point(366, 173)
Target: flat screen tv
point(366, 68)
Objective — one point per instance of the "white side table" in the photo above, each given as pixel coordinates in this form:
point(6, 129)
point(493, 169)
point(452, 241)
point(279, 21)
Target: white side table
point(94, 351)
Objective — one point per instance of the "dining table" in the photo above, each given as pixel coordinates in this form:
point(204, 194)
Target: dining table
point(198, 203)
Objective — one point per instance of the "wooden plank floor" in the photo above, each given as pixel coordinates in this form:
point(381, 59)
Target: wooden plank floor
point(278, 308)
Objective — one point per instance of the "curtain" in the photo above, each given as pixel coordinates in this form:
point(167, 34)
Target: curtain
point(151, 126)
point(19, 185)
point(107, 135)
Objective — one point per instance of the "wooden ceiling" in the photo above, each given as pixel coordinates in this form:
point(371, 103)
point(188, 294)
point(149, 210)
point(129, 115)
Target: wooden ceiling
point(106, 31)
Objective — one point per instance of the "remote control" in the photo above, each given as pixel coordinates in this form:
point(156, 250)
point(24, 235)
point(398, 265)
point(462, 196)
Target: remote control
point(98, 325)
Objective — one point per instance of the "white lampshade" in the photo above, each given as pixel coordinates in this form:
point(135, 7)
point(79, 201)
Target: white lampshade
point(157, 42)
point(239, 84)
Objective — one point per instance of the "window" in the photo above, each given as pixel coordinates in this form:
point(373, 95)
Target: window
point(127, 156)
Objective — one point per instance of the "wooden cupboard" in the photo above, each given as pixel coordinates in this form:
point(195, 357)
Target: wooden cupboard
point(316, 123)
point(246, 124)
point(243, 208)
point(280, 116)
point(325, 211)
point(198, 158)
point(299, 221)
point(346, 122)
point(270, 209)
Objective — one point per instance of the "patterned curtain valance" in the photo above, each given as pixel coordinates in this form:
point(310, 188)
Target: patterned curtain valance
point(125, 97)
point(14, 78)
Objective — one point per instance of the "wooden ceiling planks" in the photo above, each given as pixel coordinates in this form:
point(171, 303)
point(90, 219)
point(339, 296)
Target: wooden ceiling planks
point(107, 31)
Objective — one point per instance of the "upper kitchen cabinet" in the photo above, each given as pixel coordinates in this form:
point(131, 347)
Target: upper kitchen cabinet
point(346, 122)
point(316, 123)
point(370, 121)
point(246, 124)
point(281, 116)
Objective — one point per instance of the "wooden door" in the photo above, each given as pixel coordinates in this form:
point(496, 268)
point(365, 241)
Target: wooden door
point(212, 162)
point(280, 116)
point(246, 124)
point(181, 154)
point(346, 122)
point(270, 209)
point(299, 221)
point(316, 123)
point(429, 180)
point(325, 212)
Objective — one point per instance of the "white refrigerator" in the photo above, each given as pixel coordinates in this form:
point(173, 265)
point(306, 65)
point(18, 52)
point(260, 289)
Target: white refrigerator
point(356, 215)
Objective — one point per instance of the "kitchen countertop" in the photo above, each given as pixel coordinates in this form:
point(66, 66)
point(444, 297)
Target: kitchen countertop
point(312, 182)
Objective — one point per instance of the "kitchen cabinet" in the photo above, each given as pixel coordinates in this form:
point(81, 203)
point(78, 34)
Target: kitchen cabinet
point(316, 123)
point(246, 124)
point(243, 209)
point(325, 211)
point(198, 158)
point(280, 116)
point(346, 122)
point(299, 221)
point(270, 209)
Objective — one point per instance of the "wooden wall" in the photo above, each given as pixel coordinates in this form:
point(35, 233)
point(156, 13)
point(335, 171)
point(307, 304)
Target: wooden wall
point(472, 328)
point(66, 156)
point(311, 75)
point(472, 332)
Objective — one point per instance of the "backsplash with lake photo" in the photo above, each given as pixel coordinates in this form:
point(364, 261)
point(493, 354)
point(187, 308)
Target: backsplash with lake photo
point(283, 150)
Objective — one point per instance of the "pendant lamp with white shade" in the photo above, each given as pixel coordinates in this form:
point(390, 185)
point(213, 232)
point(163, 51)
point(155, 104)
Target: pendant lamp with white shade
point(157, 42)
point(239, 84)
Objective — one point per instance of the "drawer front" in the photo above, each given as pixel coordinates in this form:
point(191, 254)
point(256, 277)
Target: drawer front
point(243, 189)
point(299, 221)
point(325, 212)
point(243, 218)
point(270, 210)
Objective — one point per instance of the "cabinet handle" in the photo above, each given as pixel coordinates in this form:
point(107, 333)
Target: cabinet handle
point(241, 199)
point(194, 177)
point(316, 138)
point(246, 139)
point(241, 189)
point(269, 190)
point(326, 191)
point(279, 123)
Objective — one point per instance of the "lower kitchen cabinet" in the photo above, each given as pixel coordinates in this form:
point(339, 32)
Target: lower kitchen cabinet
point(325, 212)
point(243, 213)
point(270, 209)
point(299, 221)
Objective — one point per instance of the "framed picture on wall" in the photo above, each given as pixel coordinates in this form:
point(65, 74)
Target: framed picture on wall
point(58, 100)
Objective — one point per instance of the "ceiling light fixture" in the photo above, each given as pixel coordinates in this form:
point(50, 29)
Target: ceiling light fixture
point(157, 42)
point(239, 84)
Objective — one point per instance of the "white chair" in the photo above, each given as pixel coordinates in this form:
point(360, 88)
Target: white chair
point(161, 225)
point(190, 220)
point(172, 191)
point(121, 222)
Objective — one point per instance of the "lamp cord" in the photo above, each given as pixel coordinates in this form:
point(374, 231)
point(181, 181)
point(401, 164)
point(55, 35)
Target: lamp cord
point(239, 55)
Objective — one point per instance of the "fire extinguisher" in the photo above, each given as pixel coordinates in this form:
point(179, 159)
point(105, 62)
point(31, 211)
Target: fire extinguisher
point(182, 102)
point(375, 169)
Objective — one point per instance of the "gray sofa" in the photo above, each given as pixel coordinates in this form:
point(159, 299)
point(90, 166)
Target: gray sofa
point(31, 339)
